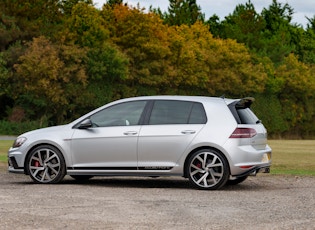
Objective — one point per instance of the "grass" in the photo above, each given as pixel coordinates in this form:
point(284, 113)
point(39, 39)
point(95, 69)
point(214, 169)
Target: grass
point(289, 157)
point(4, 147)
point(293, 157)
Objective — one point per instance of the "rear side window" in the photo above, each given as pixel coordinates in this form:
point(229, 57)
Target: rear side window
point(177, 112)
point(198, 114)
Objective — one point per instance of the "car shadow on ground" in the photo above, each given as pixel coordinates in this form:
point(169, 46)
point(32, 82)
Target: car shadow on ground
point(147, 183)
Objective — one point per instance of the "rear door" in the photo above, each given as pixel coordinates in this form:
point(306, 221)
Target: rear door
point(170, 127)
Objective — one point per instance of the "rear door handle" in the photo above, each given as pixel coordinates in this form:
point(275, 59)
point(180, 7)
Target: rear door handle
point(130, 133)
point(188, 132)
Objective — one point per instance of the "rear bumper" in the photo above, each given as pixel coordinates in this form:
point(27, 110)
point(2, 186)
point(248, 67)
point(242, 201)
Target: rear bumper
point(246, 159)
point(254, 171)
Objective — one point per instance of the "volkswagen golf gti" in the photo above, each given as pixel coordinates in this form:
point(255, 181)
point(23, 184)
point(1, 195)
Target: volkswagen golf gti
point(211, 141)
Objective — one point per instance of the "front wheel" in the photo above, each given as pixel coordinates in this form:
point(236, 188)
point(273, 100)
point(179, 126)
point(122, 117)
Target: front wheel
point(45, 164)
point(207, 169)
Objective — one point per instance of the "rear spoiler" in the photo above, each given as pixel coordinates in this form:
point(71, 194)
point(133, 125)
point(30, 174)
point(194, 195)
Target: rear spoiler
point(244, 103)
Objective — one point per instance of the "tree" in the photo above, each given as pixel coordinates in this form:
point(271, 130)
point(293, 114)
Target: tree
point(107, 68)
point(85, 26)
point(277, 15)
point(4, 73)
point(311, 23)
point(208, 66)
point(114, 2)
point(49, 79)
point(182, 12)
point(215, 25)
point(297, 93)
point(67, 5)
point(144, 39)
point(244, 25)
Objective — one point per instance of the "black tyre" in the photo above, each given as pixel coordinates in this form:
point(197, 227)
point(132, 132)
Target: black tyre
point(207, 169)
point(81, 177)
point(237, 180)
point(45, 164)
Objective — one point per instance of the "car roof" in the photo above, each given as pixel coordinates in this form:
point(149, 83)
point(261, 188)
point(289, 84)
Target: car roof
point(178, 97)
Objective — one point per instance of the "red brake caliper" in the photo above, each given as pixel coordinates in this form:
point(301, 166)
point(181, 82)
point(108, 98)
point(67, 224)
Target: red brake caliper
point(36, 164)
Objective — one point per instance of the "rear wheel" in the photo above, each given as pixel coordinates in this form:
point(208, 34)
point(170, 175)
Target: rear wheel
point(207, 169)
point(45, 164)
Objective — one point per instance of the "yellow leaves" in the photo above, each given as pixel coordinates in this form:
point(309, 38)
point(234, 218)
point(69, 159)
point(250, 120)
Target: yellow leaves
point(40, 61)
point(296, 76)
point(217, 66)
point(47, 70)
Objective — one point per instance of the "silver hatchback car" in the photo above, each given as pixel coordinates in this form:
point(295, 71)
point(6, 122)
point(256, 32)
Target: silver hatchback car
point(212, 141)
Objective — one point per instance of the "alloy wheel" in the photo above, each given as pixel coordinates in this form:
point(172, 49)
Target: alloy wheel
point(208, 170)
point(46, 165)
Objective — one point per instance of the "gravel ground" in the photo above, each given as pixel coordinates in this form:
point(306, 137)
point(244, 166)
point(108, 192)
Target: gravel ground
point(261, 202)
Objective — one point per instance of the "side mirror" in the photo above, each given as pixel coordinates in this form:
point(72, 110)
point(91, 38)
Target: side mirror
point(87, 123)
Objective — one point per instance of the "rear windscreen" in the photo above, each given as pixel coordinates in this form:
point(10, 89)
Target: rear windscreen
point(247, 116)
point(243, 115)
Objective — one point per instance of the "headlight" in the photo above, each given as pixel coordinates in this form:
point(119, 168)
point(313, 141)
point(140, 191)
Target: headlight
point(19, 141)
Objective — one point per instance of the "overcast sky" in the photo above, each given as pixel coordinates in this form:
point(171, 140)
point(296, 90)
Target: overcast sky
point(223, 8)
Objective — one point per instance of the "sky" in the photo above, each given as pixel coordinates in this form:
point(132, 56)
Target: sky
point(223, 8)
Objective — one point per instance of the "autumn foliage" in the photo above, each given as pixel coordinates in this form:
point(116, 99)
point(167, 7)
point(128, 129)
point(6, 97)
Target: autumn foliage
point(65, 58)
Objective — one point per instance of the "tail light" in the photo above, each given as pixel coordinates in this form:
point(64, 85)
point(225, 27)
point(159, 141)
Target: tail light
point(243, 133)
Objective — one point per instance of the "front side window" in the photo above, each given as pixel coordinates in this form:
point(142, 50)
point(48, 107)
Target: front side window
point(177, 112)
point(128, 113)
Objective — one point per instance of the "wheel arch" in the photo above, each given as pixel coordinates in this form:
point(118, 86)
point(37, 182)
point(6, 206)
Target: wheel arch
point(200, 148)
point(42, 144)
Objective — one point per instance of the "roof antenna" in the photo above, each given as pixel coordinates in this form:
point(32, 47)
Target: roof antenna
point(223, 96)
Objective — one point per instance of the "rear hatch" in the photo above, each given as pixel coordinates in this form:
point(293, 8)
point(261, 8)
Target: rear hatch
point(249, 128)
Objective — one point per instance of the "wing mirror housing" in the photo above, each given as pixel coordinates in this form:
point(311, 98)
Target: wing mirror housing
point(87, 123)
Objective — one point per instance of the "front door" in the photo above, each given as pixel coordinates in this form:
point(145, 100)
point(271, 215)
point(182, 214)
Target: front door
point(111, 143)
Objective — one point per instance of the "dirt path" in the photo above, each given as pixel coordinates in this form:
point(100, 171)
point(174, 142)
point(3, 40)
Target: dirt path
point(262, 202)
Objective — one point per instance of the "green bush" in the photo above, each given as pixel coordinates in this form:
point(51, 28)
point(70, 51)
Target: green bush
point(16, 128)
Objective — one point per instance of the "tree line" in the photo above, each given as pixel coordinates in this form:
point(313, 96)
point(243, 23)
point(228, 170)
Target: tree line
point(61, 58)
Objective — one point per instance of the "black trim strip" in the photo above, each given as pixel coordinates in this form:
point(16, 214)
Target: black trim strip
point(103, 168)
point(121, 168)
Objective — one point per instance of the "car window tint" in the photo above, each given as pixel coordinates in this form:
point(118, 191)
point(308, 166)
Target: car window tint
point(247, 116)
point(177, 112)
point(198, 114)
point(123, 114)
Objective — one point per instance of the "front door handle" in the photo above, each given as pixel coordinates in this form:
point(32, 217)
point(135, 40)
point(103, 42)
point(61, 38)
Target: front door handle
point(130, 133)
point(188, 132)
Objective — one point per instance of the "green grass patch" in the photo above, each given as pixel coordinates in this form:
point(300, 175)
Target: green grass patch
point(4, 147)
point(289, 157)
point(293, 157)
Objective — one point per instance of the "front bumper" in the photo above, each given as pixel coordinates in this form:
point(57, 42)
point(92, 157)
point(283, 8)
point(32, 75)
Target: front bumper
point(13, 166)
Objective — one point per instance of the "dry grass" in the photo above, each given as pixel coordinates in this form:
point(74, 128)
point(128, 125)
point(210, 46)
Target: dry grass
point(294, 157)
